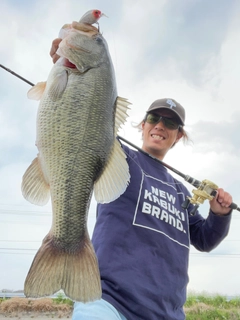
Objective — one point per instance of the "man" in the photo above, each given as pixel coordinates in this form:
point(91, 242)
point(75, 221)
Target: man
point(142, 239)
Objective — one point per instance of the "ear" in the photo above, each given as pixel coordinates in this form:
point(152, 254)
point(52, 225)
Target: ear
point(179, 136)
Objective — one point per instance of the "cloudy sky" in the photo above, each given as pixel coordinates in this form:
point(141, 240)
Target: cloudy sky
point(187, 50)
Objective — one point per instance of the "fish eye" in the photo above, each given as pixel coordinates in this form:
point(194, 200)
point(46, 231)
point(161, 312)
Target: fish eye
point(99, 39)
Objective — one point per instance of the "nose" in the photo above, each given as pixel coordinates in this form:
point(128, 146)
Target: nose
point(160, 125)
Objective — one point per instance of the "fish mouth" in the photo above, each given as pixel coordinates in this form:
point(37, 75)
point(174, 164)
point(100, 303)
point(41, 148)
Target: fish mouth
point(69, 64)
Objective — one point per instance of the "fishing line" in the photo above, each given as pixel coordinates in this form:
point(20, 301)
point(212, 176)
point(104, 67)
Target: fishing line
point(205, 189)
point(144, 171)
point(189, 179)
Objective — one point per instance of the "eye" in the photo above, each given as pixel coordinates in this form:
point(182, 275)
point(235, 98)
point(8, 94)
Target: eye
point(97, 13)
point(99, 39)
point(152, 118)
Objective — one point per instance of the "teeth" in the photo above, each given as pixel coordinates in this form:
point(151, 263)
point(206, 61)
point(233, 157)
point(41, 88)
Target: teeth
point(157, 137)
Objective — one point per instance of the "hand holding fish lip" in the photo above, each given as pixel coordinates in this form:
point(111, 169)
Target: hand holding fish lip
point(84, 24)
point(87, 29)
point(81, 27)
point(84, 27)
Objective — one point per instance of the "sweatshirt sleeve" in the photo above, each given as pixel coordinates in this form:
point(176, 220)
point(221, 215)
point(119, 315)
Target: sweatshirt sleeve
point(206, 234)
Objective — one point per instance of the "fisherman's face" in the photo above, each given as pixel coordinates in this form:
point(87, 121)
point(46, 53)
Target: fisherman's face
point(157, 138)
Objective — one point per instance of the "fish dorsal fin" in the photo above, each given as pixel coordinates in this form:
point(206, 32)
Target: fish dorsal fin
point(58, 85)
point(121, 113)
point(36, 92)
point(35, 188)
point(115, 177)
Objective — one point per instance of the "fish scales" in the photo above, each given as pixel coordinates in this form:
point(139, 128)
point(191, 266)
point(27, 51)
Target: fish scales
point(76, 139)
point(77, 130)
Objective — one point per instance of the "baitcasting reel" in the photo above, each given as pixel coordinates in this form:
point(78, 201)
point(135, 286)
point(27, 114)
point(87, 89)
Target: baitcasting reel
point(206, 190)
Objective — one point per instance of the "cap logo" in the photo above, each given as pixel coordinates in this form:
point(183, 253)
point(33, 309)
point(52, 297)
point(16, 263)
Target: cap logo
point(171, 103)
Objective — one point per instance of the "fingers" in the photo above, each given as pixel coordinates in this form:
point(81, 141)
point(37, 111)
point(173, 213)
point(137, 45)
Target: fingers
point(220, 204)
point(224, 198)
point(53, 50)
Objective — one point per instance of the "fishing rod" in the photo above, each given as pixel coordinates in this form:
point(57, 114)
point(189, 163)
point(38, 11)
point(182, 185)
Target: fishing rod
point(17, 75)
point(206, 190)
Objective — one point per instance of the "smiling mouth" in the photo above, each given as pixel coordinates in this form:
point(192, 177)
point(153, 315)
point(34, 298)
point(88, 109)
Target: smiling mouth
point(157, 137)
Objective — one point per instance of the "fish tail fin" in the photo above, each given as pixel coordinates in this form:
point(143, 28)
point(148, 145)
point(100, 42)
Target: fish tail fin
point(85, 285)
point(76, 273)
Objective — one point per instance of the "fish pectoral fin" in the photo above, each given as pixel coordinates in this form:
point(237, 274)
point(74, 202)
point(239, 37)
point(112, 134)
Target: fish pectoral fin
point(115, 177)
point(58, 85)
point(55, 267)
point(35, 189)
point(121, 112)
point(36, 92)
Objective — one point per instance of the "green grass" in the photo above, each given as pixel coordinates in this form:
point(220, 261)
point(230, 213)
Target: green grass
point(197, 307)
point(61, 299)
point(207, 307)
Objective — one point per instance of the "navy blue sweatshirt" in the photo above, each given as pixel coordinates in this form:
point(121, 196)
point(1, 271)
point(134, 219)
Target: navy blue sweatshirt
point(142, 242)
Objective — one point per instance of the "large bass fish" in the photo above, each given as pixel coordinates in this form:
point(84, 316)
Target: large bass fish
point(77, 123)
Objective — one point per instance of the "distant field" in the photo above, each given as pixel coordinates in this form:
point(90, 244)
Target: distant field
point(207, 307)
point(197, 307)
point(24, 308)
